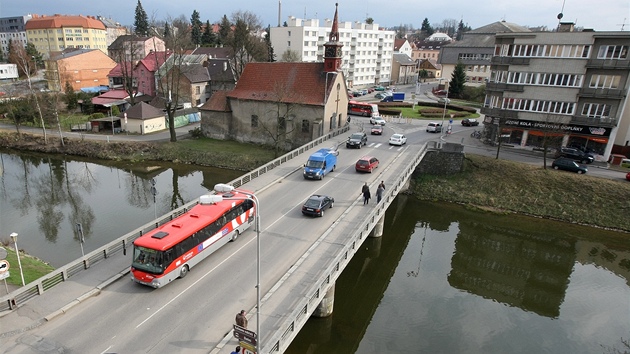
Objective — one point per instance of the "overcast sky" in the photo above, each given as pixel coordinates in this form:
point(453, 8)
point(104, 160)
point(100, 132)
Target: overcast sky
point(608, 15)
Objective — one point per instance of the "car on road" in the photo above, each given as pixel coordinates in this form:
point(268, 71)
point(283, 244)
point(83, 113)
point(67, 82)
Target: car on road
point(379, 88)
point(628, 176)
point(356, 140)
point(434, 127)
point(444, 100)
point(576, 154)
point(568, 164)
point(377, 130)
point(380, 95)
point(377, 120)
point(440, 92)
point(316, 204)
point(470, 122)
point(398, 139)
point(366, 164)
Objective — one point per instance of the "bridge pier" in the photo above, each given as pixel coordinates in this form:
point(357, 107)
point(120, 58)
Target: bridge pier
point(325, 307)
point(377, 231)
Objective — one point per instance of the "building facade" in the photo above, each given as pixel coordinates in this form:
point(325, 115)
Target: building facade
point(367, 50)
point(56, 33)
point(13, 29)
point(560, 89)
point(475, 51)
point(82, 68)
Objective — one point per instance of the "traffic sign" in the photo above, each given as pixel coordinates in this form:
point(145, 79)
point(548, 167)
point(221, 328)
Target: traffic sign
point(4, 265)
point(245, 335)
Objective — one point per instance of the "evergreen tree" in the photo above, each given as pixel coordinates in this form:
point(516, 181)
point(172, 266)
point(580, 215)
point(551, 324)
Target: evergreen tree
point(272, 56)
point(208, 39)
point(141, 23)
point(195, 31)
point(167, 30)
point(71, 97)
point(2, 56)
point(426, 27)
point(460, 30)
point(224, 30)
point(458, 79)
point(37, 57)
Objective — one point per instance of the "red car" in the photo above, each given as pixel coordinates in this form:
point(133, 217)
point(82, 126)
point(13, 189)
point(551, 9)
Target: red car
point(628, 176)
point(366, 164)
point(377, 130)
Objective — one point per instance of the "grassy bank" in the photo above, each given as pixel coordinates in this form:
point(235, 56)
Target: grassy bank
point(506, 186)
point(32, 268)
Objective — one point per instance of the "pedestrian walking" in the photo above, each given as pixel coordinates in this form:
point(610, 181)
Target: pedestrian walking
point(379, 192)
point(366, 193)
point(241, 320)
point(237, 350)
point(382, 184)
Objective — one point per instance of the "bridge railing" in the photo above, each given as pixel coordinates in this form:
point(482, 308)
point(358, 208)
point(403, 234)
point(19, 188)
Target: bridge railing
point(39, 286)
point(282, 336)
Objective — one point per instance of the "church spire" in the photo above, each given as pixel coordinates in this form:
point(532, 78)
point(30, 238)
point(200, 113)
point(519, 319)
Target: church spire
point(332, 48)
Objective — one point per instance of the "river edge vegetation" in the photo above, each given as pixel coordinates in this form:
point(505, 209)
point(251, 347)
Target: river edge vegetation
point(486, 184)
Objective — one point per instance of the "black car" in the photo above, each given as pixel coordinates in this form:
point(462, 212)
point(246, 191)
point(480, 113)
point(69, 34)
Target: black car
point(356, 140)
point(470, 122)
point(576, 154)
point(568, 164)
point(316, 204)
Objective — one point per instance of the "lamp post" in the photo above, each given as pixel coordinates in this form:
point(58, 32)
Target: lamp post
point(223, 188)
point(444, 111)
point(17, 250)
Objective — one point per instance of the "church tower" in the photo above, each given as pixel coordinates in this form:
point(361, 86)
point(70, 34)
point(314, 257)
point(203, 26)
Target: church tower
point(332, 48)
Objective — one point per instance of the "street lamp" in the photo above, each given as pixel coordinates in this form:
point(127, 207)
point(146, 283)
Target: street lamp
point(444, 111)
point(224, 188)
point(17, 250)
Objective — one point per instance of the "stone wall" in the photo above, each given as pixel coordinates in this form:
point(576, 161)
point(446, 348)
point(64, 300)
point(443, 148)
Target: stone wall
point(442, 159)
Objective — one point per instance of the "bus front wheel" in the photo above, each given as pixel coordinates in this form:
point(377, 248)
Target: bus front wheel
point(183, 271)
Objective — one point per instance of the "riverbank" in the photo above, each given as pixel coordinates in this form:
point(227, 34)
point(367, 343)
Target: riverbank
point(486, 183)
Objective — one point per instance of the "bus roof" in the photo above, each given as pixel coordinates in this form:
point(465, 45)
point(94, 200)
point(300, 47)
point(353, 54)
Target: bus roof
point(199, 216)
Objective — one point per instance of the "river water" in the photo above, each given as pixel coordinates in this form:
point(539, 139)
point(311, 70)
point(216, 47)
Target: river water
point(441, 279)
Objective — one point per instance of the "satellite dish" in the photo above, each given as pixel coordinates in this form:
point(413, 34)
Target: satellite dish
point(560, 16)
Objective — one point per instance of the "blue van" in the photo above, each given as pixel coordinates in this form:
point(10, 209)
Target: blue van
point(320, 163)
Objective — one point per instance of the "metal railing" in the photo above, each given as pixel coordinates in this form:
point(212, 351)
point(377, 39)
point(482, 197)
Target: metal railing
point(38, 287)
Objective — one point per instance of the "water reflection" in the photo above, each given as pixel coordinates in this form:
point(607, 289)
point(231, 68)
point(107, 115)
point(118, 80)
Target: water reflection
point(449, 280)
point(44, 197)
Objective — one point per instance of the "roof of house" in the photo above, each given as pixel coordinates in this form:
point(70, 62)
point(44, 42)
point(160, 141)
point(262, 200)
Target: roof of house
point(220, 70)
point(142, 110)
point(399, 42)
point(498, 27)
point(154, 60)
point(59, 21)
point(195, 73)
point(120, 41)
point(214, 52)
point(403, 59)
point(117, 94)
point(217, 102)
point(118, 70)
point(302, 83)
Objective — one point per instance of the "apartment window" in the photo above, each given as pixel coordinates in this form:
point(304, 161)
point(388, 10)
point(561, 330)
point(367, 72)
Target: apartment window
point(605, 81)
point(305, 126)
point(288, 43)
point(289, 33)
point(613, 52)
point(596, 110)
point(197, 90)
point(254, 121)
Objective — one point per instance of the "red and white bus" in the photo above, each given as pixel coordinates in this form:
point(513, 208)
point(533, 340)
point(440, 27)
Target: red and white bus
point(363, 109)
point(168, 252)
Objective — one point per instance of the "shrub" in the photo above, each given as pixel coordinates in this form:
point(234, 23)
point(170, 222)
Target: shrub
point(97, 115)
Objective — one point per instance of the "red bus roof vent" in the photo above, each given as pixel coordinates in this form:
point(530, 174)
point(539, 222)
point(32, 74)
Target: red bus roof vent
point(160, 234)
point(177, 225)
point(194, 216)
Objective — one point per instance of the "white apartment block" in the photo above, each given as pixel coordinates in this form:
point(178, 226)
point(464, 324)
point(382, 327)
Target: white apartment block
point(12, 29)
point(367, 50)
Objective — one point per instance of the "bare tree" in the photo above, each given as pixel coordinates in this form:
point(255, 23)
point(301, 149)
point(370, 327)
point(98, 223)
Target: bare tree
point(290, 56)
point(243, 40)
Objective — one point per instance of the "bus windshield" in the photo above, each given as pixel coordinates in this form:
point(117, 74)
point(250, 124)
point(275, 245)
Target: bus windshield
point(148, 260)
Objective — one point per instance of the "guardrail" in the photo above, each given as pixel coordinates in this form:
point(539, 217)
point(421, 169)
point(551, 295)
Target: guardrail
point(289, 328)
point(38, 287)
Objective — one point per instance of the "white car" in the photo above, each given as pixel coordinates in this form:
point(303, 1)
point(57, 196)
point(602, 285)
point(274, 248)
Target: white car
point(398, 139)
point(377, 120)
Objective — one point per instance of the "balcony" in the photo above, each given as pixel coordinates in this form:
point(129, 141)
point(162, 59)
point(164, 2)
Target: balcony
point(501, 86)
point(509, 61)
point(608, 64)
point(499, 113)
point(604, 122)
point(602, 93)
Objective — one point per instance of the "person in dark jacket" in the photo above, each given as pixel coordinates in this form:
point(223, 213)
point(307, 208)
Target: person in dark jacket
point(366, 193)
point(241, 320)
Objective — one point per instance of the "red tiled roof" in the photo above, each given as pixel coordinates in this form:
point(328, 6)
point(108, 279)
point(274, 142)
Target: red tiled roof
point(218, 102)
point(117, 71)
point(59, 21)
point(115, 94)
point(303, 83)
point(154, 60)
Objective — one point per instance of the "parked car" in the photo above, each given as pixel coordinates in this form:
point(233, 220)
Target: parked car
point(470, 122)
point(377, 120)
point(377, 130)
point(364, 92)
point(316, 204)
point(357, 93)
point(380, 95)
point(366, 164)
point(434, 127)
point(440, 92)
point(379, 88)
point(568, 164)
point(576, 154)
point(628, 176)
point(356, 140)
point(444, 100)
point(370, 89)
point(398, 139)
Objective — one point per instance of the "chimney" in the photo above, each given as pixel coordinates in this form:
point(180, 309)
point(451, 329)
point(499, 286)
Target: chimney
point(566, 27)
